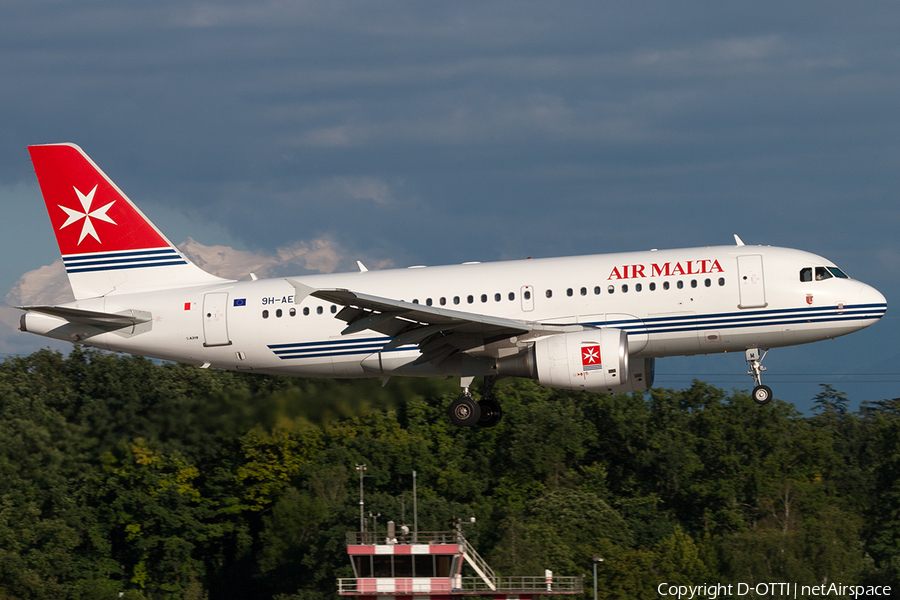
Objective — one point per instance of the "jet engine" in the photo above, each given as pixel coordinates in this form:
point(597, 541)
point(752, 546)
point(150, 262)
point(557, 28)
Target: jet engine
point(592, 361)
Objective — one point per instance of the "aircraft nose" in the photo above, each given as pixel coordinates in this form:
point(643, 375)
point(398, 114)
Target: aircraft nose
point(873, 300)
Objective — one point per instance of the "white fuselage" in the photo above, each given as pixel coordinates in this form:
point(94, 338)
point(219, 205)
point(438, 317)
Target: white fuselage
point(672, 302)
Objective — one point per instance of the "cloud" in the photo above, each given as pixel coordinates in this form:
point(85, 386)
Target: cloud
point(49, 284)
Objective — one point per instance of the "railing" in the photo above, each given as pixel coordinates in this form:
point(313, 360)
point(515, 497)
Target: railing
point(469, 585)
point(479, 564)
point(369, 538)
point(559, 585)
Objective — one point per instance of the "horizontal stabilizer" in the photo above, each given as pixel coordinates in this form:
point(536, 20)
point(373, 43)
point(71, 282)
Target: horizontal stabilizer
point(103, 320)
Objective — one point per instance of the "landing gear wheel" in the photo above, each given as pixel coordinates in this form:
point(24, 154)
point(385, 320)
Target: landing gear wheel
point(762, 394)
point(490, 413)
point(464, 411)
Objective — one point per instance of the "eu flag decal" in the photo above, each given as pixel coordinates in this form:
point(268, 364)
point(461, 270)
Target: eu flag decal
point(240, 302)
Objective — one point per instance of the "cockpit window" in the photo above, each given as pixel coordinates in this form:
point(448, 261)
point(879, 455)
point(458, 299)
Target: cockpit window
point(806, 274)
point(822, 274)
point(837, 273)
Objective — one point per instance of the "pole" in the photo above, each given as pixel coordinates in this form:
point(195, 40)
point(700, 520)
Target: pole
point(415, 512)
point(362, 516)
point(597, 559)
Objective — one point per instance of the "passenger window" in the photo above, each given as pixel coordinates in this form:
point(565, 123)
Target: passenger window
point(680, 285)
point(497, 297)
point(293, 312)
point(638, 287)
point(484, 297)
point(806, 274)
point(278, 313)
point(333, 308)
point(596, 290)
point(443, 301)
point(512, 296)
point(455, 299)
point(527, 295)
point(707, 283)
point(549, 293)
point(319, 310)
point(584, 291)
point(305, 311)
point(652, 286)
point(470, 299)
point(611, 289)
point(665, 285)
point(624, 287)
point(265, 314)
point(428, 301)
point(693, 283)
point(721, 281)
point(822, 274)
point(415, 300)
point(569, 292)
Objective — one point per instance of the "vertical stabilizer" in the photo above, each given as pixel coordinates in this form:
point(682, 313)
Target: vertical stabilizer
point(108, 246)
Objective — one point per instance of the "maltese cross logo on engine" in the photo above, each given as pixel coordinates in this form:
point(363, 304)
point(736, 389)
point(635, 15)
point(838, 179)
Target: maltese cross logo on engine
point(87, 228)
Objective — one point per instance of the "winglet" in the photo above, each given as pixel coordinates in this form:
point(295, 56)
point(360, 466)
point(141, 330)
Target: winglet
point(738, 241)
point(362, 267)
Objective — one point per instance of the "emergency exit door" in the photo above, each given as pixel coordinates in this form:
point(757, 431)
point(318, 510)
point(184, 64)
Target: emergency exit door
point(751, 281)
point(215, 325)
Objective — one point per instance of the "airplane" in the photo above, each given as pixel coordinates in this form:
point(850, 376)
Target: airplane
point(592, 323)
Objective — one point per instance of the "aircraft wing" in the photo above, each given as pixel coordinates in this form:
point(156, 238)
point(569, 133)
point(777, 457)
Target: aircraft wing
point(439, 332)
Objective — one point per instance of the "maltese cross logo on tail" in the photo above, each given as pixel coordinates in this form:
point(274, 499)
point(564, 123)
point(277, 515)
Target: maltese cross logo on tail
point(86, 208)
point(87, 228)
point(590, 357)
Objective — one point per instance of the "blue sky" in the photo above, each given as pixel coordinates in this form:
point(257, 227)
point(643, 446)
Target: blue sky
point(431, 133)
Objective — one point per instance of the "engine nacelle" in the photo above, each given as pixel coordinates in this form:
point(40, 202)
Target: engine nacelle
point(593, 361)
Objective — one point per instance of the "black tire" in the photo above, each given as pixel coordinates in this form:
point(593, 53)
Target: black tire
point(464, 411)
point(490, 413)
point(762, 394)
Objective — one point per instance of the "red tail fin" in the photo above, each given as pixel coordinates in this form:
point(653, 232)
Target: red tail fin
point(107, 244)
point(89, 213)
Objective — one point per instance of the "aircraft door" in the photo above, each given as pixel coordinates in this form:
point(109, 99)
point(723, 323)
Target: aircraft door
point(751, 281)
point(527, 293)
point(215, 326)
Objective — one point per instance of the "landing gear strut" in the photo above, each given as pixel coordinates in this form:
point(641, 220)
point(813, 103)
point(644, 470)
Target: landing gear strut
point(762, 394)
point(465, 411)
point(490, 408)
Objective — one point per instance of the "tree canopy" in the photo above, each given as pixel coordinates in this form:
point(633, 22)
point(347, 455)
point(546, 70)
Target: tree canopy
point(168, 481)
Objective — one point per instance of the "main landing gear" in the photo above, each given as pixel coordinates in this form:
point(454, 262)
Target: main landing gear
point(465, 411)
point(762, 394)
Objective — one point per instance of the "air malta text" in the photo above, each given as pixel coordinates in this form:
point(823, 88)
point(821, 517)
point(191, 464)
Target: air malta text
point(690, 267)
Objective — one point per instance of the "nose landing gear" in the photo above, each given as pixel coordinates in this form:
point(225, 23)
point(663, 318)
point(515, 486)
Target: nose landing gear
point(762, 394)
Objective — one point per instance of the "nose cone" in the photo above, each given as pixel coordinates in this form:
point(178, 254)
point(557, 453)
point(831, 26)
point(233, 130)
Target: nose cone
point(872, 302)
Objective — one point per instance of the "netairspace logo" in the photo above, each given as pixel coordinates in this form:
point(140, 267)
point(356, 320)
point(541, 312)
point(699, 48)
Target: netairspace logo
point(774, 590)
